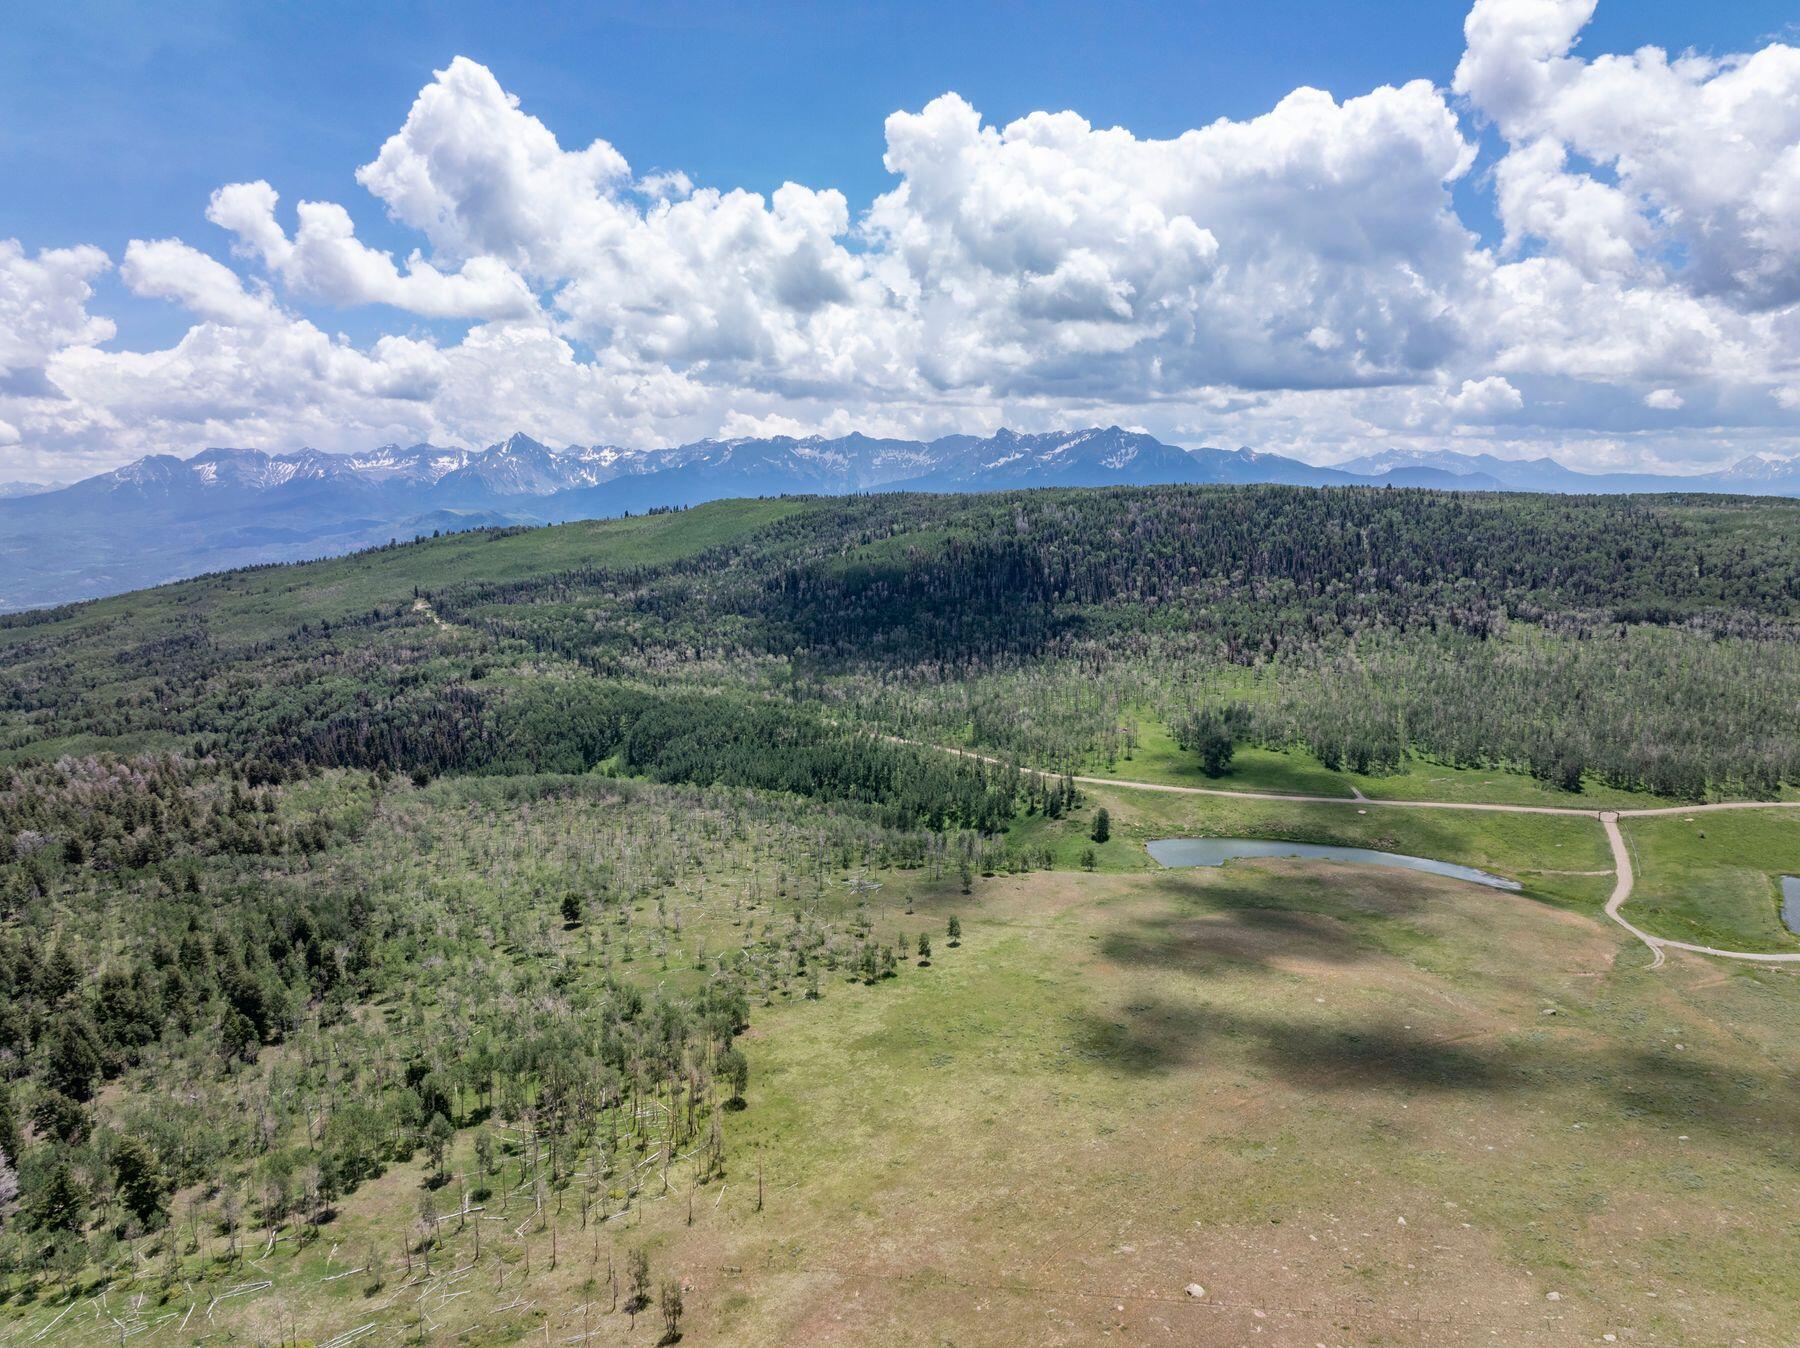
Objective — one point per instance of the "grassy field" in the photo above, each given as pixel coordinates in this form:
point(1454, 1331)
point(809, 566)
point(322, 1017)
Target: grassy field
point(1353, 1107)
point(1715, 879)
point(1332, 1100)
point(260, 603)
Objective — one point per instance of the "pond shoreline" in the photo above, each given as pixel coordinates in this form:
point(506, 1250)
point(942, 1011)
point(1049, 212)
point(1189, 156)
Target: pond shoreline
point(1184, 853)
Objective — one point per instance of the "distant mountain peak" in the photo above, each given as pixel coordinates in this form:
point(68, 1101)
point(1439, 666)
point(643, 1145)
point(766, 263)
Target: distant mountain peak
point(162, 516)
point(1763, 466)
point(11, 491)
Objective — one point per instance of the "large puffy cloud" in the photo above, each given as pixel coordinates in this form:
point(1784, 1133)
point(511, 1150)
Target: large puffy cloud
point(1704, 152)
point(1312, 246)
point(251, 372)
point(43, 303)
point(1517, 53)
point(324, 260)
point(1648, 204)
point(283, 381)
point(44, 311)
point(1044, 255)
point(170, 270)
point(721, 279)
point(1299, 280)
point(478, 176)
point(1593, 225)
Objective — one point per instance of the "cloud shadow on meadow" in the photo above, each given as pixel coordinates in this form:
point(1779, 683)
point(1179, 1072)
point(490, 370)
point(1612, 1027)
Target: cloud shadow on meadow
point(1196, 959)
point(1349, 1057)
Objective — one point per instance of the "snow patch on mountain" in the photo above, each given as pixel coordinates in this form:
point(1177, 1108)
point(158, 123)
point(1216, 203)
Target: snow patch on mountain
point(1763, 467)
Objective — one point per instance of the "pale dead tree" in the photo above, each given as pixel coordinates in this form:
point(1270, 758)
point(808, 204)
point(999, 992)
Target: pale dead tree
point(9, 1186)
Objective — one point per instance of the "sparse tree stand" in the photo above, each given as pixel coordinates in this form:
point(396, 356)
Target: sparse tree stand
point(639, 1270)
point(671, 1310)
point(438, 1135)
point(734, 1068)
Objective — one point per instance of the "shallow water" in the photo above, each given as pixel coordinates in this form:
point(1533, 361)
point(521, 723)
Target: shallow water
point(1179, 852)
point(1790, 902)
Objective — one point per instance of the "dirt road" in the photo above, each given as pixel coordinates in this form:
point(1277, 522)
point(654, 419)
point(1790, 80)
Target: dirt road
point(1609, 820)
point(1622, 891)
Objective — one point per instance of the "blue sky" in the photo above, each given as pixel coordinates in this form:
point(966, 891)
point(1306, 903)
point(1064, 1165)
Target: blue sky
point(119, 119)
point(118, 122)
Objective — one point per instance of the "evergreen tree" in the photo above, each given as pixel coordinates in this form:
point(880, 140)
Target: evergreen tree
point(138, 1181)
point(73, 1063)
point(60, 1203)
point(1208, 734)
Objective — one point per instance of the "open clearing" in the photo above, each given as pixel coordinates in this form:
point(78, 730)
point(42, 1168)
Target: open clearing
point(1726, 900)
point(1333, 1100)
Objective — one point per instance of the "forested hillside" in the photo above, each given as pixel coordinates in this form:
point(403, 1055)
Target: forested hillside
point(498, 840)
point(1645, 642)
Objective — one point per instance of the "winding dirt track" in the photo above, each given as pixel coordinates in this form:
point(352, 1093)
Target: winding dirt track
point(1609, 820)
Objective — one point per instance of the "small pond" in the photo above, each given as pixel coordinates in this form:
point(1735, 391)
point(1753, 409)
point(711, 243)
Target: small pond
point(1176, 852)
point(1790, 902)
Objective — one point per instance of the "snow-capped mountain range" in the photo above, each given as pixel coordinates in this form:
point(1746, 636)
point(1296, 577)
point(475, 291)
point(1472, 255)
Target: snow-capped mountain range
point(517, 466)
point(164, 517)
point(12, 490)
point(1755, 474)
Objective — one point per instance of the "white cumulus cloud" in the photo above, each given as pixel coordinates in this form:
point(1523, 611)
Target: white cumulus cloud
point(43, 303)
point(1488, 397)
point(1703, 153)
point(325, 261)
point(1299, 280)
point(168, 269)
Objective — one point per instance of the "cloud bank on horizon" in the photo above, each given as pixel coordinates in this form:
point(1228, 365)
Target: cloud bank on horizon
point(1300, 281)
